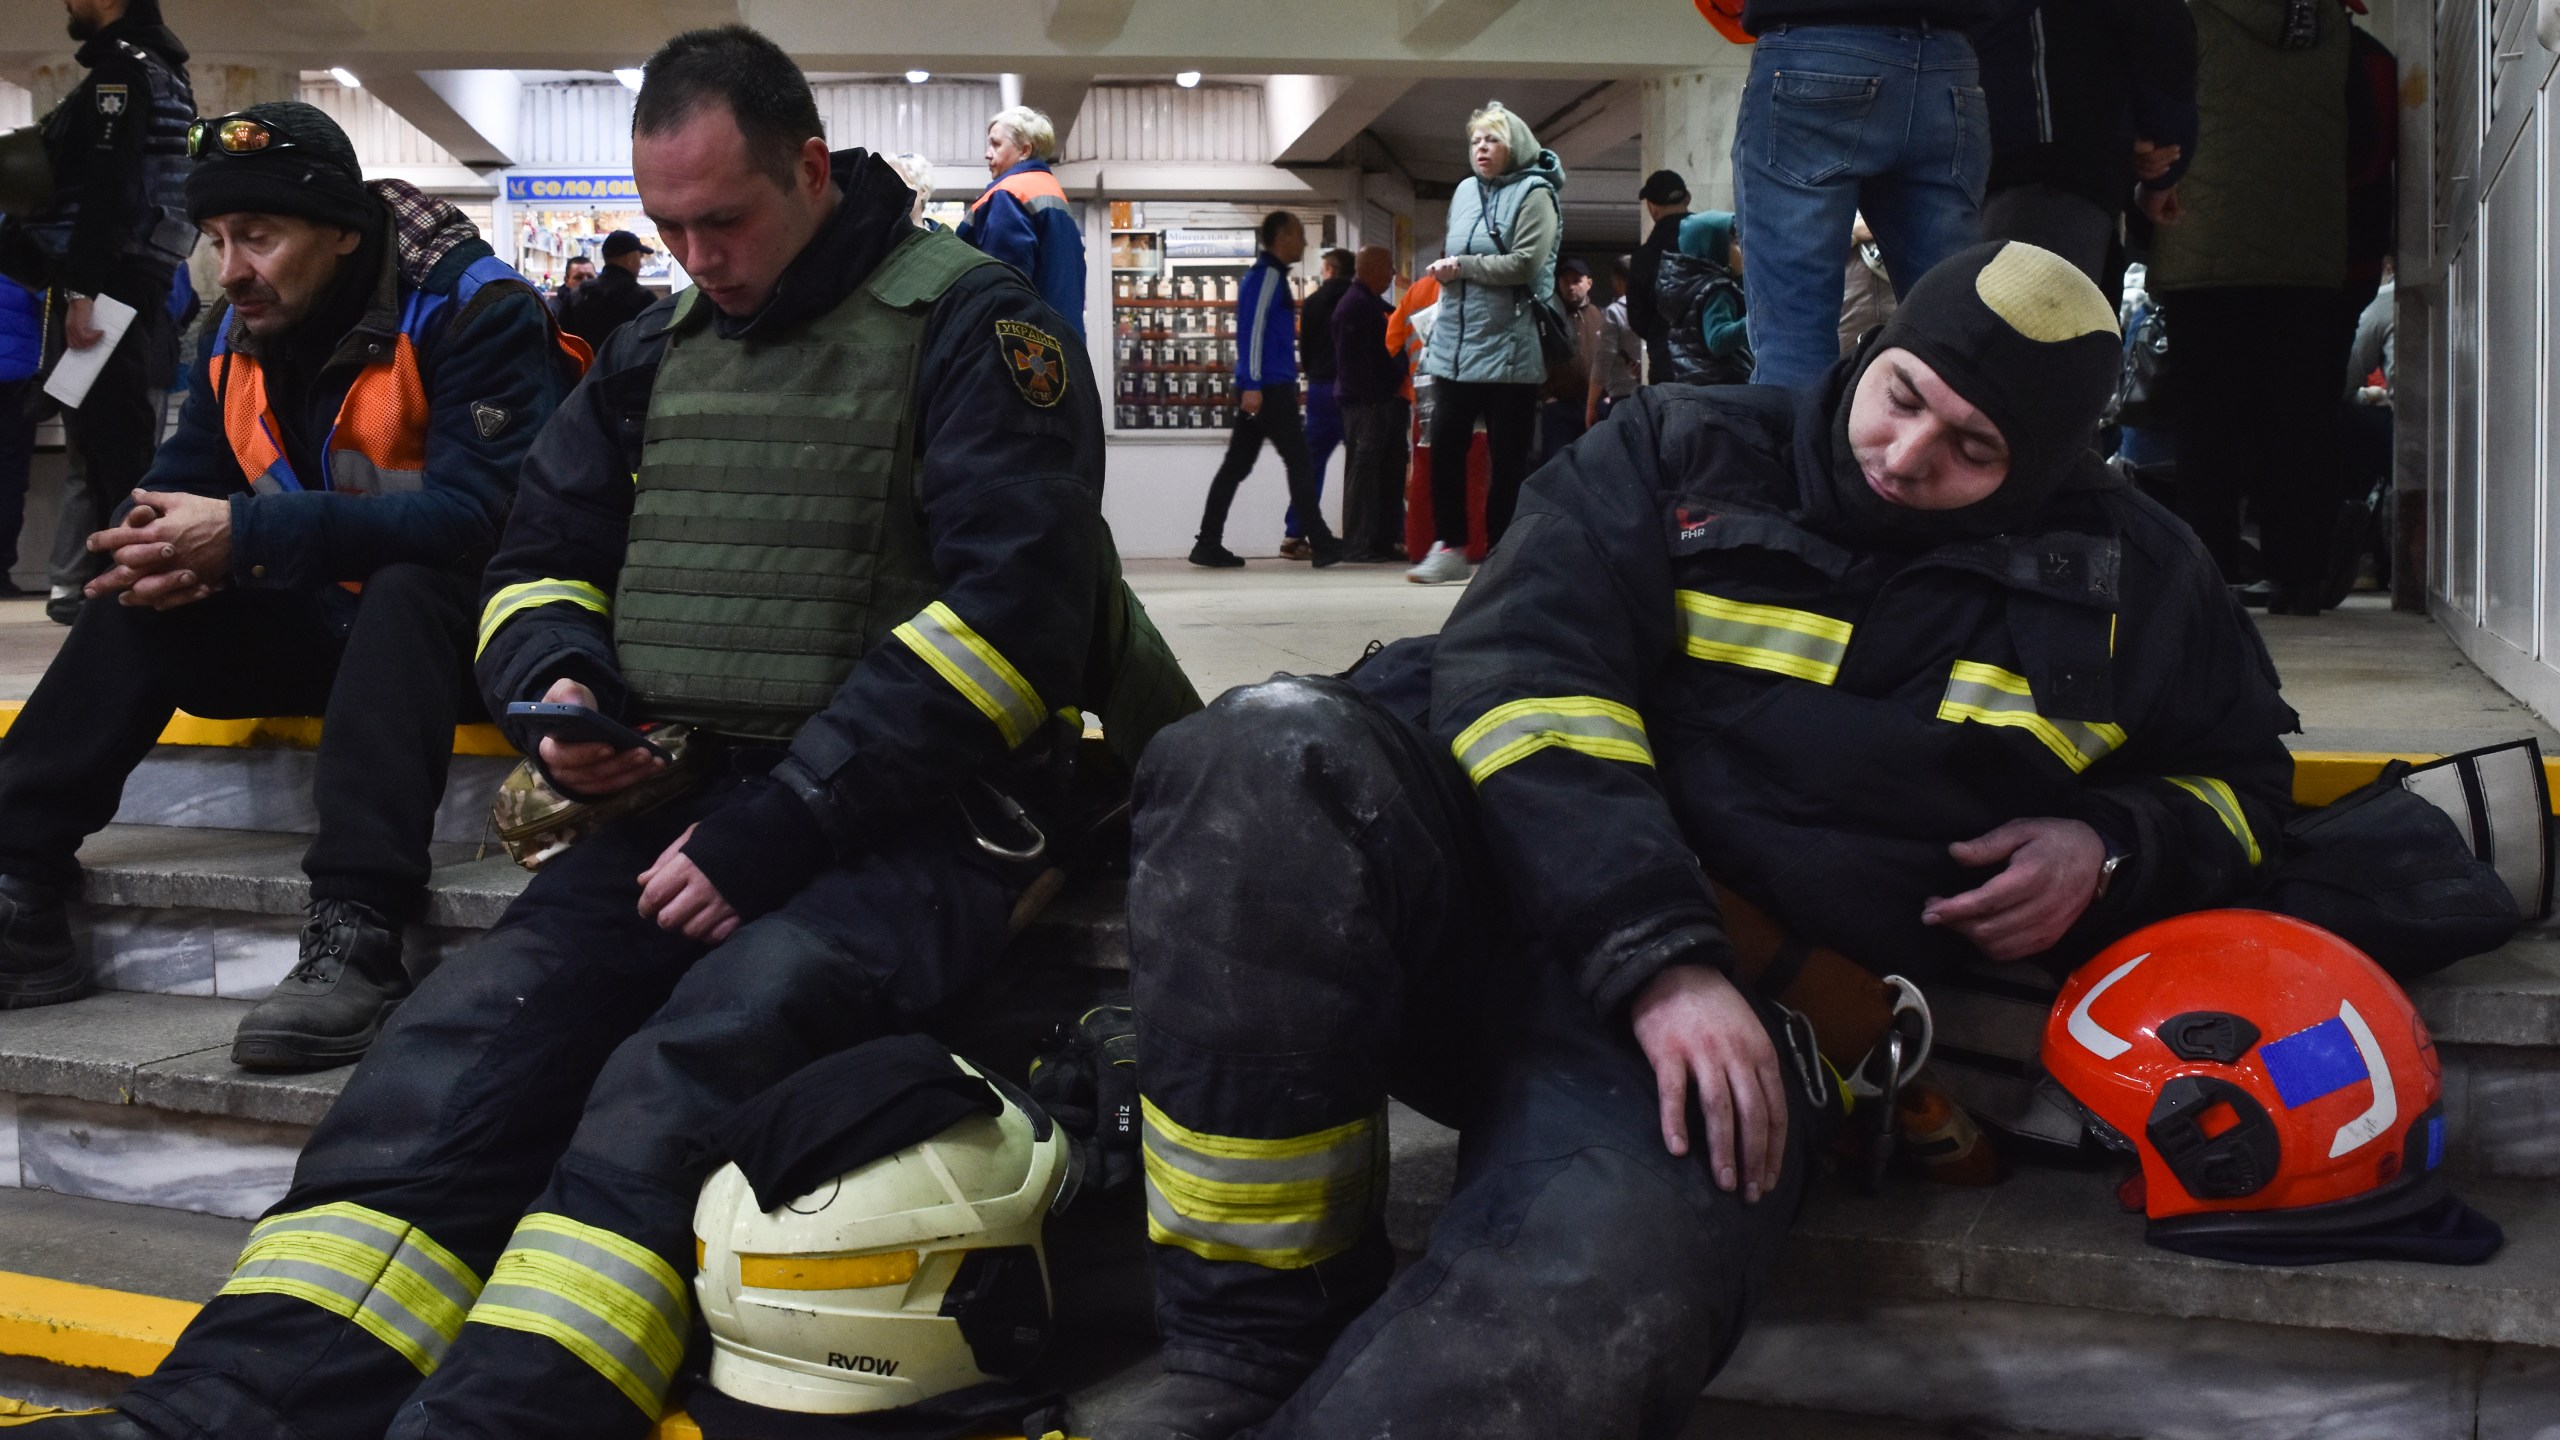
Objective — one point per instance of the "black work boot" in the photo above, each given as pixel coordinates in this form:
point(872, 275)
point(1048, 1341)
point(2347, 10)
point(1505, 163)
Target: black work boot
point(328, 1010)
point(1178, 1405)
point(78, 1425)
point(38, 965)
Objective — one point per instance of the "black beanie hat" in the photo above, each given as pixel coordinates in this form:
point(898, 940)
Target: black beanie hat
point(2024, 336)
point(315, 177)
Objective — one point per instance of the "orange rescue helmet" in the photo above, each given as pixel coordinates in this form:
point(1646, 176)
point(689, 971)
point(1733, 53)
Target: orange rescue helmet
point(2268, 1075)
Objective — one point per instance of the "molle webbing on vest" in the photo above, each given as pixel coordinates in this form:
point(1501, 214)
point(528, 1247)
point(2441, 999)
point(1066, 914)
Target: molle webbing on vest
point(776, 535)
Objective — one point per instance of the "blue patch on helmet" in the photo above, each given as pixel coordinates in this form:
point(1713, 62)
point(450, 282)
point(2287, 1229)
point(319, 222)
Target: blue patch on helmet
point(2435, 1141)
point(2309, 1064)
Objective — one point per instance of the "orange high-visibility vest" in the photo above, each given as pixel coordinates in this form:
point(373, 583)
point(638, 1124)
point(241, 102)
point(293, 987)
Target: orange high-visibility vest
point(1030, 187)
point(378, 443)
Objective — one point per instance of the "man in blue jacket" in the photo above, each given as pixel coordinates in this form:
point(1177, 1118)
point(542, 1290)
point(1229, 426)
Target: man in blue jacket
point(307, 543)
point(1267, 403)
point(21, 356)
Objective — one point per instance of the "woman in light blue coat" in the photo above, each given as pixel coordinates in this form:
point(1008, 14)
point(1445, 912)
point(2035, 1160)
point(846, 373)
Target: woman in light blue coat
point(1483, 358)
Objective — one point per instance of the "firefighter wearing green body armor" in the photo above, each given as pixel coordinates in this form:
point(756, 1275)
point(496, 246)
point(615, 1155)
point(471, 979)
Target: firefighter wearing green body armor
point(836, 507)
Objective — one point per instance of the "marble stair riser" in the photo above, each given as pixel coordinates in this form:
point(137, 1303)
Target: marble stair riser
point(269, 788)
point(228, 953)
point(136, 1155)
point(2052, 1370)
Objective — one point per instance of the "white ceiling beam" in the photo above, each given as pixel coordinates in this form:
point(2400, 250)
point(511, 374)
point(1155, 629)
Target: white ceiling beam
point(473, 114)
point(324, 19)
point(1313, 116)
point(1444, 23)
point(1087, 22)
point(1598, 125)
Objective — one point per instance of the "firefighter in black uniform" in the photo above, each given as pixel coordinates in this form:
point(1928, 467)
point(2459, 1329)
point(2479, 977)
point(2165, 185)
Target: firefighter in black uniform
point(1891, 658)
point(851, 436)
point(118, 226)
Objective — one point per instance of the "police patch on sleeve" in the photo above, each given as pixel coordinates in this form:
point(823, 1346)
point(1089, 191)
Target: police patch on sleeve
point(111, 99)
point(1034, 360)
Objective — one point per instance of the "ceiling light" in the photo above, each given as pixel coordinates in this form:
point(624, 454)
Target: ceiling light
point(630, 78)
point(1187, 79)
point(918, 77)
point(345, 77)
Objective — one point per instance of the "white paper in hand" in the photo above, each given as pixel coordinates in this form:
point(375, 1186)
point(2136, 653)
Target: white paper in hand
point(77, 370)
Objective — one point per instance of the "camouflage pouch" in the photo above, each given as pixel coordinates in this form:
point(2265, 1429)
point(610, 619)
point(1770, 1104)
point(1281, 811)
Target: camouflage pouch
point(537, 823)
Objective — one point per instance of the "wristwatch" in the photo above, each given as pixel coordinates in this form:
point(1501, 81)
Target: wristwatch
point(2116, 855)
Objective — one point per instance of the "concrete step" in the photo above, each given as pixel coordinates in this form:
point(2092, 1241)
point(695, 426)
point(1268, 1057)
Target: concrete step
point(186, 910)
point(264, 786)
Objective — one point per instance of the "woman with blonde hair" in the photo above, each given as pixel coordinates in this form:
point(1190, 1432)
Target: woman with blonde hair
point(1483, 357)
point(918, 172)
point(1023, 218)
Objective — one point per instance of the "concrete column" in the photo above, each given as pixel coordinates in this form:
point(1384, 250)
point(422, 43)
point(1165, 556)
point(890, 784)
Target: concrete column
point(1688, 127)
point(222, 87)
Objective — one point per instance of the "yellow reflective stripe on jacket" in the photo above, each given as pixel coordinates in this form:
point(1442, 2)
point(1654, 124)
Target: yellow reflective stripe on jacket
point(376, 1270)
point(1513, 732)
point(1764, 637)
point(2225, 806)
point(1989, 695)
point(602, 1298)
point(514, 600)
point(1283, 1204)
point(975, 669)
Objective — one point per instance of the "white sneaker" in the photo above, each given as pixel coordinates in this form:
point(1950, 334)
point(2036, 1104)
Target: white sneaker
point(1443, 566)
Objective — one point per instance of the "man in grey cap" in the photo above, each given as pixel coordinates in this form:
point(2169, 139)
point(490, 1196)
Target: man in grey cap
point(610, 301)
point(355, 424)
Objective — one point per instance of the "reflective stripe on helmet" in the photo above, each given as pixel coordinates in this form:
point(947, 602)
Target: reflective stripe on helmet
point(1509, 733)
point(1796, 643)
point(603, 1298)
point(362, 1265)
point(1283, 1204)
point(1989, 695)
point(977, 670)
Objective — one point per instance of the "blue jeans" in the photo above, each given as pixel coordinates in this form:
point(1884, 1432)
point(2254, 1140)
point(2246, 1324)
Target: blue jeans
point(1324, 436)
point(1837, 119)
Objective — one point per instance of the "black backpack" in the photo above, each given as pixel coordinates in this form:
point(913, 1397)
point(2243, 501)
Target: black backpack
point(2427, 864)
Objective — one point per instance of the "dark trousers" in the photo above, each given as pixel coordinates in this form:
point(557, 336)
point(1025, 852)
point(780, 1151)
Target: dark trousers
point(2255, 373)
point(1314, 925)
point(1375, 437)
point(389, 672)
point(1279, 422)
point(572, 1065)
point(2069, 225)
point(17, 457)
point(1510, 416)
point(1324, 436)
point(115, 432)
point(1559, 425)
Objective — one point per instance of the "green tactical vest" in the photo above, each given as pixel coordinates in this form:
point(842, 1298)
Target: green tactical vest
point(776, 535)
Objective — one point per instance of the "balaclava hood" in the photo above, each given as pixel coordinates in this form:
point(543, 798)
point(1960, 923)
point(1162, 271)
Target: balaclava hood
point(2022, 334)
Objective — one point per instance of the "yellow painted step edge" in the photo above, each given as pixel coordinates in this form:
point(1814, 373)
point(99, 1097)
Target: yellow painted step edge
point(128, 1334)
point(2319, 776)
point(300, 732)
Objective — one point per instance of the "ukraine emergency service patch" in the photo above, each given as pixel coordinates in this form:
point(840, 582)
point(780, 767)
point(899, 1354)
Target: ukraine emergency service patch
point(1035, 360)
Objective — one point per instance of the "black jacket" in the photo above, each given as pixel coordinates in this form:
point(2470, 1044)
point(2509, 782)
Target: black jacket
point(613, 299)
point(94, 139)
point(1012, 497)
point(1644, 301)
point(1761, 16)
point(1365, 370)
point(1648, 557)
point(2072, 84)
point(1315, 331)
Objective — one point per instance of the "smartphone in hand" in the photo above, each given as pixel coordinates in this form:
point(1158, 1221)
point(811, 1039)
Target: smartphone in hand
point(582, 725)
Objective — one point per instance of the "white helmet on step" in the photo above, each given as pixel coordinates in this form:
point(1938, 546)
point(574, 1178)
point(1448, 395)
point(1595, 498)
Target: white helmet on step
point(918, 1274)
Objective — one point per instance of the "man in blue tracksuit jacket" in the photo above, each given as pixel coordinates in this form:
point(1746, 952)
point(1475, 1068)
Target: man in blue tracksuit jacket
point(1267, 400)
